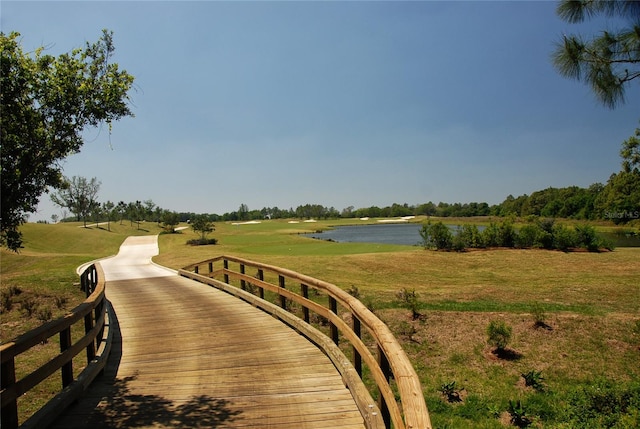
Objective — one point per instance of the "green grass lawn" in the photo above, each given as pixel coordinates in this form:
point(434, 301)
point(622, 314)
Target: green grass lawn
point(588, 353)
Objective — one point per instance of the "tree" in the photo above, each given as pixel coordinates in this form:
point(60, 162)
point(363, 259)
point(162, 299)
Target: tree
point(121, 210)
point(79, 195)
point(630, 153)
point(47, 102)
point(169, 220)
point(619, 200)
point(609, 62)
point(149, 206)
point(243, 212)
point(109, 209)
point(202, 224)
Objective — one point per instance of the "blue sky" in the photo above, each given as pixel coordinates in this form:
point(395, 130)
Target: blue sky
point(334, 103)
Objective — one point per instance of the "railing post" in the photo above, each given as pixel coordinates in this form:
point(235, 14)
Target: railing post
point(91, 348)
point(84, 283)
point(261, 278)
point(210, 268)
point(333, 306)
point(226, 267)
point(243, 284)
point(9, 414)
point(383, 362)
point(305, 293)
point(67, 368)
point(196, 269)
point(357, 358)
point(283, 299)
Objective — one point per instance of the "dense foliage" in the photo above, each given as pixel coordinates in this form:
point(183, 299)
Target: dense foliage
point(609, 62)
point(47, 102)
point(538, 233)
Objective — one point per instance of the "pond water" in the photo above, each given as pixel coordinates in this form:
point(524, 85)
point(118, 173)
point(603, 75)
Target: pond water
point(409, 234)
point(388, 233)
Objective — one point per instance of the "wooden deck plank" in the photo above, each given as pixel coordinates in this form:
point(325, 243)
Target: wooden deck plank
point(192, 356)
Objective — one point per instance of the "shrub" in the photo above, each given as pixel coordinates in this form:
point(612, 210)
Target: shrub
point(499, 334)
point(202, 241)
point(354, 291)
point(507, 234)
point(534, 379)
point(468, 236)
point(563, 238)
point(436, 236)
point(545, 235)
point(61, 301)
point(458, 243)
point(527, 236)
point(28, 306)
point(409, 299)
point(518, 414)
point(586, 237)
point(6, 301)
point(451, 392)
point(491, 236)
point(44, 314)
point(539, 316)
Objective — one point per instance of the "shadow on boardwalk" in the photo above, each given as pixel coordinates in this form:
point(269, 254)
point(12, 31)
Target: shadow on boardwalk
point(114, 405)
point(124, 409)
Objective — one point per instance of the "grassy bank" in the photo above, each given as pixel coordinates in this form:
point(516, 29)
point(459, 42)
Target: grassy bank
point(590, 303)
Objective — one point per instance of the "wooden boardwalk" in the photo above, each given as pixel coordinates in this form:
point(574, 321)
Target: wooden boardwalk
point(188, 355)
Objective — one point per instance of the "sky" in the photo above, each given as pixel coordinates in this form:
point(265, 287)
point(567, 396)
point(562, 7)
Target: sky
point(281, 104)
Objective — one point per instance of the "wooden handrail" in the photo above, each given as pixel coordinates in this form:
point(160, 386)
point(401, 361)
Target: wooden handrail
point(93, 314)
point(410, 411)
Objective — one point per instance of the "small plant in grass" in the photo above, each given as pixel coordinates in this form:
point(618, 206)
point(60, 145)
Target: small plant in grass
point(6, 297)
point(518, 414)
point(316, 319)
point(499, 335)
point(370, 304)
point(534, 379)
point(494, 410)
point(251, 288)
point(44, 314)
point(28, 306)
point(409, 299)
point(6, 301)
point(451, 391)
point(539, 316)
point(61, 301)
point(407, 330)
point(354, 291)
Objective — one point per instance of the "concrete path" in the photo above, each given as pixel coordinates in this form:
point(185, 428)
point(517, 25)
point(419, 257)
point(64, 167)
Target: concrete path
point(188, 355)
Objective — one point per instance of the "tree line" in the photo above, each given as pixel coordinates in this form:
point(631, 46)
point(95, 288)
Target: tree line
point(597, 202)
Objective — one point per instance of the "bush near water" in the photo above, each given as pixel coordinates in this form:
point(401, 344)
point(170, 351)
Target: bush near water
point(541, 233)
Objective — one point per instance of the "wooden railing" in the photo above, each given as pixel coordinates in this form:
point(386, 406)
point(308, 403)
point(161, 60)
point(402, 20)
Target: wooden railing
point(91, 316)
point(388, 365)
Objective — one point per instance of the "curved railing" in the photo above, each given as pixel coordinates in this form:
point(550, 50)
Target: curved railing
point(91, 316)
point(388, 365)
